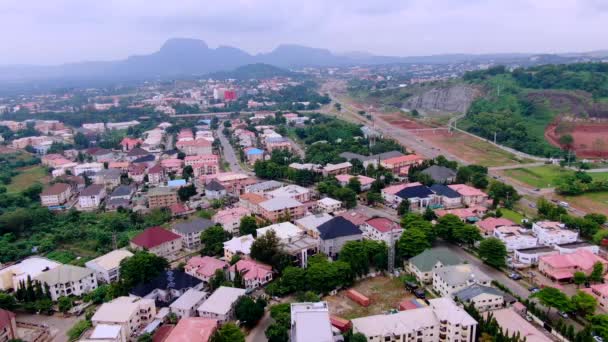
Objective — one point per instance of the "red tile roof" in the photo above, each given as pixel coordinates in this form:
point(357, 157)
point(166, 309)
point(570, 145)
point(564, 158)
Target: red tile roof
point(154, 236)
point(382, 224)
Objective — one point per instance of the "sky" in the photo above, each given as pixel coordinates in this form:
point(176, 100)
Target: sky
point(62, 31)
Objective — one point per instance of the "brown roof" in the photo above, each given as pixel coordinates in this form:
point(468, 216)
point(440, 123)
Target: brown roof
point(253, 198)
point(92, 190)
point(55, 189)
point(154, 236)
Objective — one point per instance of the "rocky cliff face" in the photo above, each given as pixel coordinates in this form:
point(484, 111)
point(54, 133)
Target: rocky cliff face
point(454, 98)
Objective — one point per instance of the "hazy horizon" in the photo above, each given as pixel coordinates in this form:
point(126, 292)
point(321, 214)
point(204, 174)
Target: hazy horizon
point(65, 31)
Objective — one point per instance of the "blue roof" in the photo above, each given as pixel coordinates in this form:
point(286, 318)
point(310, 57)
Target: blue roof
point(445, 191)
point(176, 182)
point(418, 191)
point(254, 151)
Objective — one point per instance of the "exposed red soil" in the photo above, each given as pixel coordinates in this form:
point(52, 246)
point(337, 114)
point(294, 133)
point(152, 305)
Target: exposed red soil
point(590, 139)
point(399, 121)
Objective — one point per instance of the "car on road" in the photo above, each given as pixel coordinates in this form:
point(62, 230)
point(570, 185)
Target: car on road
point(564, 204)
point(534, 289)
point(598, 338)
point(564, 314)
point(537, 189)
point(514, 276)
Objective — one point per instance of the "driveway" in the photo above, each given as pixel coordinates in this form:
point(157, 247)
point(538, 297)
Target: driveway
point(59, 325)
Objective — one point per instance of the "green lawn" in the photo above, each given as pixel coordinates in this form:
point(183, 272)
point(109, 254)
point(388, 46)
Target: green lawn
point(512, 215)
point(27, 177)
point(545, 176)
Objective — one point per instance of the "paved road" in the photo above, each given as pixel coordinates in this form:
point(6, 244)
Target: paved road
point(228, 152)
point(297, 148)
point(257, 334)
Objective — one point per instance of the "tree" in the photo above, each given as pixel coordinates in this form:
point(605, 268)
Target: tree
point(145, 337)
point(187, 172)
point(503, 193)
point(446, 225)
point(213, 240)
point(597, 272)
point(600, 219)
point(354, 184)
point(599, 325)
point(228, 332)
point(468, 234)
point(360, 255)
point(553, 298)
point(141, 268)
point(7, 301)
point(493, 252)
point(267, 249)
point(359, 337)
point(404, 207)
point(579, 278)
point(248, 225)
point(277, 333)
point(185, 192)
point(64, 304)
point(219, 278)
point(293, 279)
point(323, 276)
point(373, 197)
point(347, 196)
point(413, 241)
point(566, 141)
point(584, 303)
point(249, 311)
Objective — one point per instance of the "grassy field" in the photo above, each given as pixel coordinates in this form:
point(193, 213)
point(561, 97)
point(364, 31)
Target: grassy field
point(27, 177)
point(595, 202)
point(512, 215)
point(545, 176)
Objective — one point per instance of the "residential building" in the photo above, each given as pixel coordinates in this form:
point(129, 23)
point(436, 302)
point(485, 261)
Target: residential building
point(381, 229)
point(365, 182)
point(263, 187)
point(573, 247)
point(530, 256)
point(553, 233)
point(310, 322)
point(159, 241)
point(277, 143)
point(174, 165)
point(337, 169)
point(56, 195)
point(230, 219)
point(600, 292)
point(91, 197)
point(335, 233)
point(515, 237)
point(253, 154)
point(195, 147)
point(450, 279)
point(487, 225)
point(162, 197)
point(285, 231)
point(310, 223)
point(513, 323)
point(374, 160)
point(280, 208)
point(448, 198)
point(251, 201)
point(109, 178)
point(420, 197)
point(132, 314)
point(389, 194)
point(8, 326)
point(358, 218)
point(107, 266)
point(468, 215)
point(470, 195)
point(156, 174)
point(400, 165)
point(193, 329)
point(328, 205)
point(253, 273)
point(166, 287)
point(440, 174)
point(561, 267)
point(220, 305)
point(204, 267)
point(442, 320)
point(296, 192)
point(215, 191)
point(129, 143)
point(186, 305)
point(12, 276)
point(483, 298)
point(238, 246)
point(68, 280)
point(190, 231)
point(123, 192)
point(426, 263)
point(87, 168)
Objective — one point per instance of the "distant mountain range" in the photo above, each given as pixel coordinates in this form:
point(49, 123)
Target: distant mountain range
point(192, 57)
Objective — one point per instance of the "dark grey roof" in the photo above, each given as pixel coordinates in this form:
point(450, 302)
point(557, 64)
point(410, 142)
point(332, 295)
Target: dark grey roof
point(473, 291)
point(576, 244)
point(194, 226)
point(337, 227)
point(439, 174)
point(118, 202)
point(92, 190)
point(539, 249)
point(137, 151)
point(181, 281)
point(214, 186)
point(145, 159)
point(418, 191)
point(445, 191)
point(109, 173)
point(122, 190)
point(362, 158)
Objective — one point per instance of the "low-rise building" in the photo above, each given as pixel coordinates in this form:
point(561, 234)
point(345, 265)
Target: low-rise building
point(285, 231)
point(442, 320)
point(530, 256)
point(448, 198)
point(335, 233)
point(328, 205)
point(450, 279)
point(253, 273)
point(12, 276)
point(186, 305)
point(483, 298)
point(512, 323)
point(238, 246)
point(87, 169)
point(310, 322)
point(470, 195)
point(487, 225)
point(68, 280)
point(215, 191)
point(364, 181)
point(220, 305)
point(400, 165)
point(551, 233)
point(337, 169)
point(515, 237)
point(162, 197)
point(600, 292)
point(56, 195)
point(107, 266)
point(110, 178)
point(193, 329)
point(159, 241)
point(420, 197)
point(310, 223)
point(279, 208)
point(91, 197)
point(230, 219)
point(131, 314)
point(381, 229)
point(296, 192)
point(263, 187)
point(195, 147)
point(561, 267)
point(190, 231)
point(440, 174)
point(426, 263)
point(204, 268)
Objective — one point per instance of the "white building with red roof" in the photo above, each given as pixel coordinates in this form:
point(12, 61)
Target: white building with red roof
point(159, 241)
point(561, 267)
point(230, 219)
point(366, 182)
point(487, 225)
point(470, 195)
point(380, 229)
point(172, 165)
point(129, 143)
point(255, 274)
point(204, 268)
point(400, 165)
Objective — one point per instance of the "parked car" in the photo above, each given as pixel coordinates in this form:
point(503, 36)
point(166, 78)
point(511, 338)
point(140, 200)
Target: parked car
point(419, 293)
point(534, 289)
point(598, 338)
point(514, 276)
point(564, 314)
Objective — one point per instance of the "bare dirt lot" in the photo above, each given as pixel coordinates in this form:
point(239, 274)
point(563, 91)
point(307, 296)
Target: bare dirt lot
point(385, 294)
point(590, 139)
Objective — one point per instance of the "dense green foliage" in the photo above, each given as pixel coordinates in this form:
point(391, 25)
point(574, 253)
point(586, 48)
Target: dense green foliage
point(249, 311)
point(493, 252)
point(141, 268)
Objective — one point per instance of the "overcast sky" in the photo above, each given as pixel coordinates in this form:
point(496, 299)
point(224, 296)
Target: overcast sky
point(58, 31)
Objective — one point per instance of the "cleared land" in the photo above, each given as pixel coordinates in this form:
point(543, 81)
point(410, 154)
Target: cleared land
point(470, 149)
point(27, 177)
point(590, 139)
point(545, 176)
point(385, 294)
point(595, 202)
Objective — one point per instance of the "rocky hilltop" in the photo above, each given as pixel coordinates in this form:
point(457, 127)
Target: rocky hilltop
point(453, 98)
